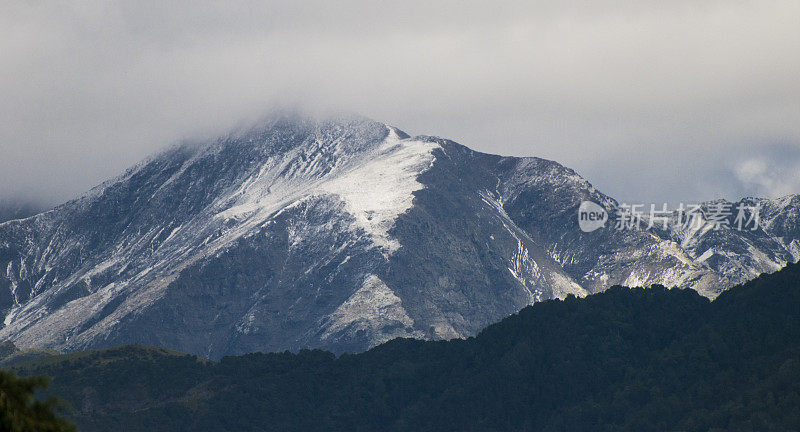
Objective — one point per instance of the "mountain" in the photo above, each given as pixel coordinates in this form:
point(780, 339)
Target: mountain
point(622, 360)
point(338, 234)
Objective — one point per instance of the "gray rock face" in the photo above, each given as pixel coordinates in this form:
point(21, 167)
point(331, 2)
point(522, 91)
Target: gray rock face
point(339, 234)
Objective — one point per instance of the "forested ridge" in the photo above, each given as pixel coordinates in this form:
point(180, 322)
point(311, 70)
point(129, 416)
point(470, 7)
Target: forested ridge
point(623, 360)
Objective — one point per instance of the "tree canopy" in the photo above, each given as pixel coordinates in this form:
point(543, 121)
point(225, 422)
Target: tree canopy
point(21, 411)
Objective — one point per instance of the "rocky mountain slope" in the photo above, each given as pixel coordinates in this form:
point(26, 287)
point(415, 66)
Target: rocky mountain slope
point(340, 234)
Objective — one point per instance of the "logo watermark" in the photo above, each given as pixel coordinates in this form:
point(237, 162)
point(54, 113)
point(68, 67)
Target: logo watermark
point(717, 215)
point(591, 216)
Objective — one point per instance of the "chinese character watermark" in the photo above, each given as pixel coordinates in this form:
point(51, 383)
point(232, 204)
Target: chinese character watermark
point(716, 216)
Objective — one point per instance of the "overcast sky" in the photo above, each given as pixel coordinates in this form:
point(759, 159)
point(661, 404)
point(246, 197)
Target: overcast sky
point(650, 101)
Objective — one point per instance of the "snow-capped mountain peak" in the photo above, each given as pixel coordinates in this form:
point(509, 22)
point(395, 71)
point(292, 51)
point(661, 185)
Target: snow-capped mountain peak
point(340, 234)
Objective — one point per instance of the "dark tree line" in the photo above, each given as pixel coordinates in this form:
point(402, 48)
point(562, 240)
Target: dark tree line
point(624, 360)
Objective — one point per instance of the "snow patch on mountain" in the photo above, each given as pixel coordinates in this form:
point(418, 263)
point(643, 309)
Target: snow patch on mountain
point(376, 187)
point(374, 308)
point(382, 188)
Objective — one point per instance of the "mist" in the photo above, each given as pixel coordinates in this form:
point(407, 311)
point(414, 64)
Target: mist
point(650, 101)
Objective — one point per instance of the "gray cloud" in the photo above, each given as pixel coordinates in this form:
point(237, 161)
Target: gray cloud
point(654, 101)
point(775, 171)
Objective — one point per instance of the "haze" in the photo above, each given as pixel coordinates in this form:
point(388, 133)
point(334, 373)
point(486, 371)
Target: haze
point(650, 101)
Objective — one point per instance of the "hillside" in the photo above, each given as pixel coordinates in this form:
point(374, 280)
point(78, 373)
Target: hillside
point(622, 360)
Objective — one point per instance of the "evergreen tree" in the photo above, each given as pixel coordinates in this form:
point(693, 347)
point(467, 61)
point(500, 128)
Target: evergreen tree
point(21, 411)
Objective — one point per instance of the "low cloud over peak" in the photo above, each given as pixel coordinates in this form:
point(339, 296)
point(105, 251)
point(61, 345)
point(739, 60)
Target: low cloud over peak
point(649, 100)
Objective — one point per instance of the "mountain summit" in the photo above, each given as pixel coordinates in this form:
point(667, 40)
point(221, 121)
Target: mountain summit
point(339, 234)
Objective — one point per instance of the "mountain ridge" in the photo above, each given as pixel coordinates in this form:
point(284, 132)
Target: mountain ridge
point(337, 234)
